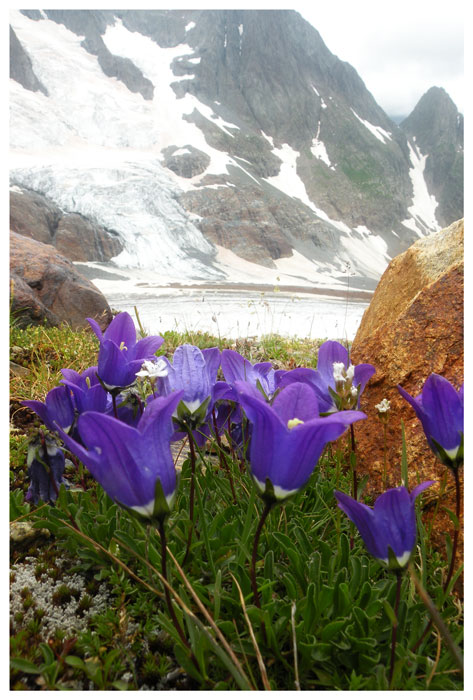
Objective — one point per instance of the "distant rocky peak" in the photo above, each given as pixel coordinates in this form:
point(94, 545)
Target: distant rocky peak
point(435, 130)
point(435, 118)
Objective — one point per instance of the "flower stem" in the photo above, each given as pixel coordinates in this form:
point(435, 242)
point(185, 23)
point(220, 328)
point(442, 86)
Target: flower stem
point(456, 531)
point(192, 495)
point(221, 456)
point(385, 467)
point(267, 507)
point(453, 557)
point(394, 633)
point(437, 620)
point(353, 449)
point(162, 534)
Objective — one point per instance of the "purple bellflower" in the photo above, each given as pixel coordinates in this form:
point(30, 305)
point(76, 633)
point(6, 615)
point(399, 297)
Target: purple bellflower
point(194, 373)
point(237, 368)
point(288, 437)
point(57, 409)
point(133, 465)
point(440, 410)
point(120, 355)
point(86, 389)
point(43, 468)
point(389, 528)
point(337, 383)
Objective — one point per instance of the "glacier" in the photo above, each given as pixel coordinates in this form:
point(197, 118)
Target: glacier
point(95, 148)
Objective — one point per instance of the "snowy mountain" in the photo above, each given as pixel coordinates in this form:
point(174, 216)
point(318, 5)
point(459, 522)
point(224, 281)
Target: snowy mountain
point(216, 144)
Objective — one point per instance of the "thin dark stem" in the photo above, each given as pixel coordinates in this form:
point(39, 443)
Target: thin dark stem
point(114, 403)
point(437, 620)
point(385, 468)
point(457, 530)
point(191, 496)
point(394, 634)
point(222, 458)
point(175, 621)
point(452, 561)
point(264, 515)
point(353, 449)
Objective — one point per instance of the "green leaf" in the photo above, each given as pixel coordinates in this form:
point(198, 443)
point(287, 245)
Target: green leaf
point(217, 592)
point(47, 653)
point(24, 666)
point(332, 629)
point(390, 612)
point(76, 662)
point(269, 565)
point(344, 551)
point(453, 517)
point(291, 586)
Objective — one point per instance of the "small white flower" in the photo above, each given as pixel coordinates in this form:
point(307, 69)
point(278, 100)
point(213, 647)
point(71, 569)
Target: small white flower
point(153, 368)
point(350, 372)
point(354, 391)
point(384, 406)
point(339, 371)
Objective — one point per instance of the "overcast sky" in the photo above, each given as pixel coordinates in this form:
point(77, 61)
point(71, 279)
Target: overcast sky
point(400, 49)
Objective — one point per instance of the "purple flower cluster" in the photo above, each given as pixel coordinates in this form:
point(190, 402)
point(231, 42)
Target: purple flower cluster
point(129, 451)
point(120, 417)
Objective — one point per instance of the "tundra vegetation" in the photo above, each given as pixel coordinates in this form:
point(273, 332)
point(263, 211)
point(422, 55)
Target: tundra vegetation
point(193, 519)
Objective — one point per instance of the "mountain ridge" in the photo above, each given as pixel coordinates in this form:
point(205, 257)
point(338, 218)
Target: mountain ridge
point(318, 166)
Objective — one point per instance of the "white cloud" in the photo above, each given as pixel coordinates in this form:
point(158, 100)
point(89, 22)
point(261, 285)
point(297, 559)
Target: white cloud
point(400, 52)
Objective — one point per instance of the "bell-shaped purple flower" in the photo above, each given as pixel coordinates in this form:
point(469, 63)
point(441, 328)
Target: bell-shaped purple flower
point(337, 383)
point(86, 389)
point(120, 356)
point(194, 373)
point(57, 409)
point(133, 465)
point(288, 437)
point(388, 529)
point(46, 463)
point(440, 410)
point(237, 368)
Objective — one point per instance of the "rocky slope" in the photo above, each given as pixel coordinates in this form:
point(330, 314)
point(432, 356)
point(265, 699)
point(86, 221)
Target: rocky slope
point(182, 131)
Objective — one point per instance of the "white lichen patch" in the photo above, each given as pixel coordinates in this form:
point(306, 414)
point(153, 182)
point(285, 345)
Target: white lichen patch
point(66, 617)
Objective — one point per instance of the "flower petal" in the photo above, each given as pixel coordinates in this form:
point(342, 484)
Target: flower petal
point(297, 400)
point(329, 352)
point(122, 330)
point(363, 517)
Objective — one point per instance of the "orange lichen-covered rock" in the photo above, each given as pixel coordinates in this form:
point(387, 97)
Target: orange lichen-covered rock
point(412, 327)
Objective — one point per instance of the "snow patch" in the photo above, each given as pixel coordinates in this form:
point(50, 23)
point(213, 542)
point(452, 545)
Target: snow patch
point(189, 26)
point(319, 150)
point(363, 229)
point(289, 182)
point(377, 131)
point(269, 139)
point(367, 257)
point(423, 206)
